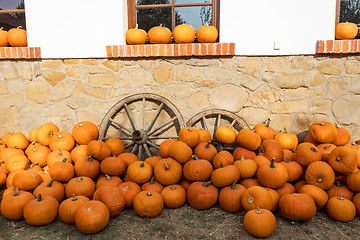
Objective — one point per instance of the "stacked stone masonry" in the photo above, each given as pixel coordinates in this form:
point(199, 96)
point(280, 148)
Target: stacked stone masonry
point(293, 91)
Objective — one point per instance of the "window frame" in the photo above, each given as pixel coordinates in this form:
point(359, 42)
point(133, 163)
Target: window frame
point(131, 9)
point(13, 11)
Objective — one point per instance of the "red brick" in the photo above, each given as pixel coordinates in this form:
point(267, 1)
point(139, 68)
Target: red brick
point(115, 51)
point(176, 49)
point(218, 48)
point(337, 46)
point(141, 50)
point(169, 49)
point(329, 46)
point(196, 49)
point(162, 50)
point(25, 52)
point(182, 50)
point(2, 52)
point(148, 50)
point(189, 49)
point(155, 50)
point(20, 52)
point(232, 48)
point(210, 49)
point(8, 52)
point(353, 47)
point(32, 52)
point(134, 51)
point(128, 52)
point(345, 46)
point(108, 51)
point(225, 49)
point(203, 50)
point(320, 46)
point(37, 52)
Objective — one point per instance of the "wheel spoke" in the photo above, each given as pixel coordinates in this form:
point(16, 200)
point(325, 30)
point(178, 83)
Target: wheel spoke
point(125, 138)
point(147, 150)
point(229, 148)
point(217, 123)
point(163, 137)
point(129, 144)
point(204, 123)
point(133, 124)
point(153, 144)
point(120, 127)
point(134, 149)
point(140, 152)
point(142, 114)
point(153, 120)
point(232, 123)
point(162, 125)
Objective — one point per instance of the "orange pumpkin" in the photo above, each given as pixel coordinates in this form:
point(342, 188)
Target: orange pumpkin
point(159, 34)
point(4, 42)
point(136, 36)
point(184, 33)
point(346, 30)
point(17, 37)
point(207, 34)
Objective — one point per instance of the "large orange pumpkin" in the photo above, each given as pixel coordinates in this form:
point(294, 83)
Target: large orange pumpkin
point(346, 30)
point(184, 33)
point(207, 34)
point(159, 34)
point(136, 36)
point(3, 38)
point(17, 37)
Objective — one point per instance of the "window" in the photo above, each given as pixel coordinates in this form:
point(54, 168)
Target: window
point(170, 13)
point(348, 11)
point(12, 14)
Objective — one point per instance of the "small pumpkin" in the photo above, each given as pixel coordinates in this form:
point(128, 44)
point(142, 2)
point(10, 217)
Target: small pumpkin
point(307, 153)
point(202, 195)
point(230, 198)
point(248, 139)
point(62, 140)
point(99, 150)
point(274, 175)
point(225, 175)
point(320, 174)
point(343, 159)
point(4, 42)
point(17, 37)
point(148, 204)
point(190, 136)
point(247, 167)
point(159, 34)
point(140, 172)
point(114, 166)
point(174, 196)
point(320, 196)
point(107, 180)
point(226, 134)
point(136, 35)
point(84, 132)
point(153, 185)
point(12, 204)
point(168, 171)
point(184, 33)
point(112, 197)
point(346, 30)
point(92, 217)
point(84, 186)
point(45, 132)
point(341, 209)
point(287, 139)
point(205, 150)
point(260, 222)
point(264, 130)
point(297, 206)
point(256, 196)
point(41, 211)
point(323, 132)
point(197, 170)
point(271, 148)
point(223, 157)
point(207, 34)
point(87, 166)
point(117, 146)
point(68, 208)
point(129, 190)
point(51, 188)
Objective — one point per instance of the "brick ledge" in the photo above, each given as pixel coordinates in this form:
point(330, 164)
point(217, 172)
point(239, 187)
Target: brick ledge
point(338, 46)
point(171, 50)
point(20, 52)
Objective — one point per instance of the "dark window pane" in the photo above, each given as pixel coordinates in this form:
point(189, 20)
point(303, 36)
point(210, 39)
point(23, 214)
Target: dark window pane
point(150, 2)
point(192, 1)
point(11, 4)
point(350, 11)
point(12, 20)
point(195, 16)
point(151, 17)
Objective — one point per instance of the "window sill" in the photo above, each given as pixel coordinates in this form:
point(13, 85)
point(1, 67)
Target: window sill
point(171, 50)
point(338, 46)
point(20, 52)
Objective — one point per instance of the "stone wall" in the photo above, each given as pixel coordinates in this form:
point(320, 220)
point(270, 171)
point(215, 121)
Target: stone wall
point(294, 91)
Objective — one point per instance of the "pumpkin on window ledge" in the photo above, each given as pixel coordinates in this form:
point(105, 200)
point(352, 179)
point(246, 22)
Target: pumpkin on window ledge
point(207, 34)
point(159, 35)
point(3, 38)
point(17, 37)
point(346, 30)
point(136, 36)
point(184, 33)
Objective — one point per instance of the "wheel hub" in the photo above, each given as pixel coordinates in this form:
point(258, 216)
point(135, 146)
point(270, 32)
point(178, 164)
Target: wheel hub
point(140, 136)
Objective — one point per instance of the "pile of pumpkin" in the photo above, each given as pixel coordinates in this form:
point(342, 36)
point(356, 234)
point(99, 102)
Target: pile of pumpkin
point(85, 181)
point(183, 33)
point(16, 37)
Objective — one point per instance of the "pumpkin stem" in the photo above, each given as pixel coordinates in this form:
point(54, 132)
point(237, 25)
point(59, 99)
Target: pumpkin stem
point(160, 25)
point(64, 160)
point(137, 26)
point(46, 169)
point(142, 164)
point(16, 192)
point(152, 180)
point(90, 209)
point(258, 211)
point(242, 157)
point(272, 165)
point(39, 198)
point(107, 177)
point(338, 184)
point(321, 124)
point(149, 194)
point(206, 23)
point(285, 130)
point(19, 27)
point(267, 123)
point(250, 199)
point(319, 180)
point(221, 165)
point(207, 145)
point(205, 184)
point(90, 159)
point(173, 188)
point(189, 129)
point(50, 183)
point(341, 197)
point(80, 179)
point(74, 198)
point(314, 149)
point(262, 149)
point(326, 147)
point(34, 164)
point(166, 166)
point(233, 185)
point(338, 158)
point(287, 160)
point(60, 152)
point(195, 157)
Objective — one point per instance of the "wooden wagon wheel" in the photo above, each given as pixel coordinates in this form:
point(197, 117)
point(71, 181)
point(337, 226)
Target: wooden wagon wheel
point(212, 119)
point(142, 121)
